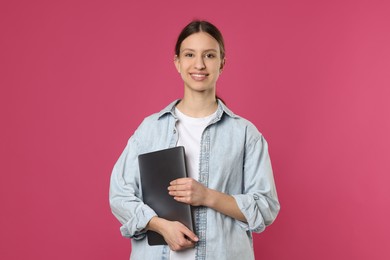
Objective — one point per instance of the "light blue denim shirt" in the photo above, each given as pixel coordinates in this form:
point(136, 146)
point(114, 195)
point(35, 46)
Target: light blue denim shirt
point(234, 159)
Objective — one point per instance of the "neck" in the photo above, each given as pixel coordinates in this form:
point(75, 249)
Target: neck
point(198, 106)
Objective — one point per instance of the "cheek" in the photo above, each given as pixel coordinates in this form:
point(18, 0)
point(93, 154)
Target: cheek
point(214, 65)
point(183, 66)
point(216, 70)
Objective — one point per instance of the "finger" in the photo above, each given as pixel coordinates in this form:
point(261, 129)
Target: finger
point(179, 193)
point(185, 200)
point(179, 181)
point(190, 235)
point(182, 244)
point(179, 187)
point(189, 243)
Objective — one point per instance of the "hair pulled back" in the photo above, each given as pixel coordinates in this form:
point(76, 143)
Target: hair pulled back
point(201, 26)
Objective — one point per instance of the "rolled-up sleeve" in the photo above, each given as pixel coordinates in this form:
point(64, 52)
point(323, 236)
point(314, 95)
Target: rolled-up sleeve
point(259, 201)
point(125, 195)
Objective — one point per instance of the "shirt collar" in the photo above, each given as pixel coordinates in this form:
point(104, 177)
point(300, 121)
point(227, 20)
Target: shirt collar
point(222, 108)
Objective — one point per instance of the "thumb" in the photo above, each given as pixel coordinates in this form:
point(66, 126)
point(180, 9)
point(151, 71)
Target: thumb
point(190, 234)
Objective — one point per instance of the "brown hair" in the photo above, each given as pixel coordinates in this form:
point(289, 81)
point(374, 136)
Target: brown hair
point(201, 26)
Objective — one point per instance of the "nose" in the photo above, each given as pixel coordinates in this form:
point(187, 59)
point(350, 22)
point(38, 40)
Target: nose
point(199, 63)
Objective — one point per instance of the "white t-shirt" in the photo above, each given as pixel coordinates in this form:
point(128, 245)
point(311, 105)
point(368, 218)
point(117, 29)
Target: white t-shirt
point(190, 131)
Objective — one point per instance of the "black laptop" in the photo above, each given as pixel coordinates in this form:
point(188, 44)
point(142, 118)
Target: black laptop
point(157, 170)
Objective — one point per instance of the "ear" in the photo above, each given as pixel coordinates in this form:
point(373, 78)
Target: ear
point(223, 62)
point(177, 63)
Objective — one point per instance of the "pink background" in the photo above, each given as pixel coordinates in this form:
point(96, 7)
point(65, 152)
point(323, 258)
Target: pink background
point(77, 77)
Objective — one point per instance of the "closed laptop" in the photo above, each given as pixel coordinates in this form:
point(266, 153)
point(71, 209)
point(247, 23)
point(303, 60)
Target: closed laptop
point(157, 170)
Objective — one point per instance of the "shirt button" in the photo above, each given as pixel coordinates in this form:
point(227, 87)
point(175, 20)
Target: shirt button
point(174, 131)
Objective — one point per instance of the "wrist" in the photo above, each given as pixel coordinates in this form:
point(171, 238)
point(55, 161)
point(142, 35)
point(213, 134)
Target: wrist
point(155, 224)
point(210, 198)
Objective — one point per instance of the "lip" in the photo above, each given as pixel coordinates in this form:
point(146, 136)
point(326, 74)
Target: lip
point(198, 76)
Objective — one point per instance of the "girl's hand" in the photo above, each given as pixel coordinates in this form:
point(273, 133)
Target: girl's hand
point(189, 191)
point(177, 235)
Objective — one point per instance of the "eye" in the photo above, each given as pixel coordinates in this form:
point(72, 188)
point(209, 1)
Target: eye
point(189, 55)
point(209, 55)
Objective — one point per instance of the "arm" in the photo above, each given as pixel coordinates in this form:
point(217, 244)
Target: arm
point(135, 216)
point(258, 204)
point(125, 194)
point(258, 201)
point(189, 191)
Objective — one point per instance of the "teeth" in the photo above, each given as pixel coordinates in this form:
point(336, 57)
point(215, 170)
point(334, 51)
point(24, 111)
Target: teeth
point(198, 75)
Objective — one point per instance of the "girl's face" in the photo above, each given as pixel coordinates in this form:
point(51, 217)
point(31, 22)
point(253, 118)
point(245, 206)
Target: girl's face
point(199, 62)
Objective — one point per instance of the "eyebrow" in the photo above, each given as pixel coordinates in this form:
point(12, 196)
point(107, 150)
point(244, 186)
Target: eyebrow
point(208, 50)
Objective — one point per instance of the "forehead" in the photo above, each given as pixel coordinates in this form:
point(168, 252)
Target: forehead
point(200, 41)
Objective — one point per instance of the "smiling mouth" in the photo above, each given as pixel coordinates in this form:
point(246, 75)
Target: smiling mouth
point(198, 76)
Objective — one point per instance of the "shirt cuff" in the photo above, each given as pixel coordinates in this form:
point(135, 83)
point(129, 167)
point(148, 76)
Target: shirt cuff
point(137, 231)
point(248, 206)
